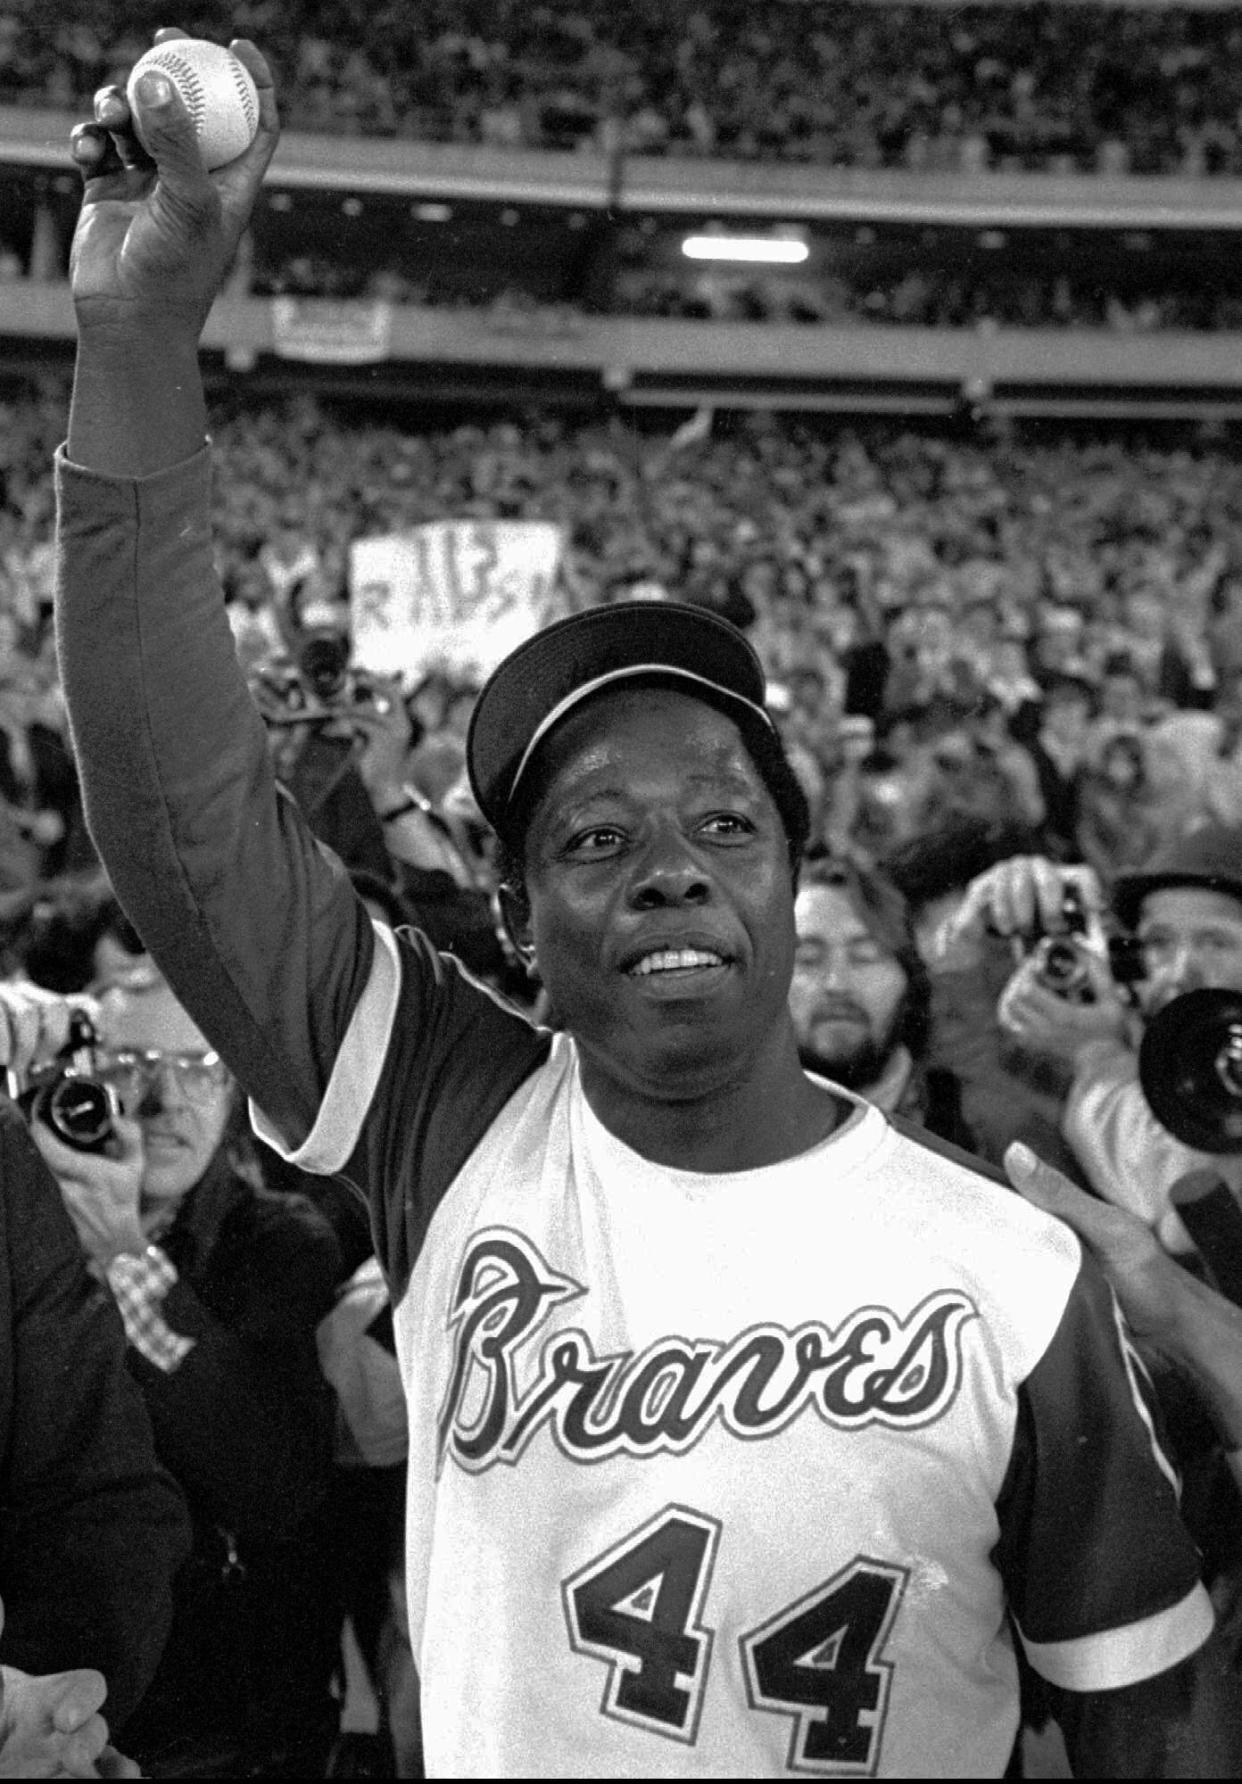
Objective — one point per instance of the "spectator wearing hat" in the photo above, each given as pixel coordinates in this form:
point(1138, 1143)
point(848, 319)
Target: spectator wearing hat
point(1185, 909)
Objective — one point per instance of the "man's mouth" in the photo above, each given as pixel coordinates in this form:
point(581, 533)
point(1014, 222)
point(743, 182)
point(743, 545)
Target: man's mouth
point(675, 960)
point(162, 1138)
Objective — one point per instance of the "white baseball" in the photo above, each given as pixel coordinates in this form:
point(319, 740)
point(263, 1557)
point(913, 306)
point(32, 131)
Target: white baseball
point(218, 92)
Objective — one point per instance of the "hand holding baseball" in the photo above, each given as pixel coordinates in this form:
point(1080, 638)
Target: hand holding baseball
point(158, 230)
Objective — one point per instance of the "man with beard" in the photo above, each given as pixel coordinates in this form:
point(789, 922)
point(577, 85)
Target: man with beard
point(860, 995)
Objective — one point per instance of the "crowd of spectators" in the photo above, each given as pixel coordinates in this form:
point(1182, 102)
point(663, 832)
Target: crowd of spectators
point(1047, 625)
point(979, 647)
point(921, 296)
point(1054, 86)
point(933, 297)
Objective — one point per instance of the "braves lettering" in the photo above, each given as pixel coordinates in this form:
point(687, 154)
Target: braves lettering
point(875, 1368)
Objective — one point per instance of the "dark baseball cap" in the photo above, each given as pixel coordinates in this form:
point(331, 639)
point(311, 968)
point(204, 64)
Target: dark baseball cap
point(1210, 857)
point(548, 676)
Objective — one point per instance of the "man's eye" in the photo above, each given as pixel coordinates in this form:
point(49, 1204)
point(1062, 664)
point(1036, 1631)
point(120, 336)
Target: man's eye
point(596, 840)
point(728, 823)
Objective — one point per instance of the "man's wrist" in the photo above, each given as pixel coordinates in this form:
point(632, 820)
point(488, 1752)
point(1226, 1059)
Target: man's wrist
point(134, 1245)
point(138, 405)
point(399, 804)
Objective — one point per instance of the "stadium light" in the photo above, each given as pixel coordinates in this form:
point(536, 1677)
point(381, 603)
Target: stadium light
point(772, 250)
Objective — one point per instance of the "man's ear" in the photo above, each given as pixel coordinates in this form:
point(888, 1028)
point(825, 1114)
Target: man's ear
point(515, 921)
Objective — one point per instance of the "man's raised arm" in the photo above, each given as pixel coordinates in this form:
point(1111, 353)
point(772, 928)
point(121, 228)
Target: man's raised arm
point(256, 928)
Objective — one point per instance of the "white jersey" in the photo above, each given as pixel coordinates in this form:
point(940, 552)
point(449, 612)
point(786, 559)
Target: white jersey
point(739, 1474)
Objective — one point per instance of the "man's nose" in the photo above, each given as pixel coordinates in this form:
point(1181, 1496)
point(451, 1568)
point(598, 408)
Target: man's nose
point(160, 1091)
point(1185, 970)
point(834, 969)
point(668, 872)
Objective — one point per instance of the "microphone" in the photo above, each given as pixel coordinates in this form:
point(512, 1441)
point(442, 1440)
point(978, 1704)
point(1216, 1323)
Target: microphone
point(1212, 1216)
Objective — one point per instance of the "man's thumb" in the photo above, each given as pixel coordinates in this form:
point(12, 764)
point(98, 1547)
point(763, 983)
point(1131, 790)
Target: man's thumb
point(1038, 1182)
point(80, 1693)
point(164, 125)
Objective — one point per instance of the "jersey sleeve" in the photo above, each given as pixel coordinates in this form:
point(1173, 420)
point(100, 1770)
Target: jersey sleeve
point(253, 922)
point(428, 1061)
point(329, 1025)
point(1101, 1575)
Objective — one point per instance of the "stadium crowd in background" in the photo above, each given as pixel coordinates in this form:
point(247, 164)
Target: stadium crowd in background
point(1048, 630)
point(1060, 87)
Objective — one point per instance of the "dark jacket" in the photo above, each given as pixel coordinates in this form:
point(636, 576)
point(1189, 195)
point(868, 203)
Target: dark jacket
point(91, 1530)
point(245, 1425)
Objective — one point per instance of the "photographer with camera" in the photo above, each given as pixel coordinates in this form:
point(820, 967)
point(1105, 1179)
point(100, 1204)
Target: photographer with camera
point(1184, 913)
point(220, 1286)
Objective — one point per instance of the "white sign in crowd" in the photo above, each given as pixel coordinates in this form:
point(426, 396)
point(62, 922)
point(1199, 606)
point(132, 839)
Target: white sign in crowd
point(455, 594)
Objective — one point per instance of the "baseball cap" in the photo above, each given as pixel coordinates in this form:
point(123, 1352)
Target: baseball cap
point(1210, 857)
point(547, 677)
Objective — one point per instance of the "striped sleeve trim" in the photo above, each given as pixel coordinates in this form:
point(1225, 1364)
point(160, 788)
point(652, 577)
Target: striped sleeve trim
point(355, 1072)
point(1128, 1655)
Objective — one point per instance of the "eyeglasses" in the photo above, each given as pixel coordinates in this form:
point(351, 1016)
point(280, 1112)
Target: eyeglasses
point(133, 1073)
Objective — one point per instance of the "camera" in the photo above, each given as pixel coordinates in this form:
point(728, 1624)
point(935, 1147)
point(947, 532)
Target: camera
point(79, 1108)
point(1190, 1069)
point(1061, 962)
point(319, 684)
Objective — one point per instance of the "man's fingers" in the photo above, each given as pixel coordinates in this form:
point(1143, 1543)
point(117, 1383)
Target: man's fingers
point(1055, 1194)
point(112, 1764)
point(80, 1698)
point(1088, 883)
point(33, 1027)
point(82, 1749)
point(1048, 890)
point(242, 178)
point(256, 62)
point(166, 130)
point(64, 1162)
point(113, 115)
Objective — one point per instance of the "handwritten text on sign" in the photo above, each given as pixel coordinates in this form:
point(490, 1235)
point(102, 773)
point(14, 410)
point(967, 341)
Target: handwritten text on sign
point(457, 594)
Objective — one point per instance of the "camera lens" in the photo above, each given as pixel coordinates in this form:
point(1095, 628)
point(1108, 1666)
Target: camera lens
point(1229, 1063)
point(1061, 967)
point(79, 1111)
point(322, 663)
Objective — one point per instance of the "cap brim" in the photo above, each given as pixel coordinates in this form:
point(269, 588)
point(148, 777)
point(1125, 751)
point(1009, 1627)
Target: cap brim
point(1132, 888)
point(548, 676)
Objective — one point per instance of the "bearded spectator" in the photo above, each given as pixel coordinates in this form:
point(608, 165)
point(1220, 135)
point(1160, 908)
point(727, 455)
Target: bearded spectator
point(860, 994)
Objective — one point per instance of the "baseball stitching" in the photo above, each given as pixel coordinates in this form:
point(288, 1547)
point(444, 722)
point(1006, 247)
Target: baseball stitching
point(245, 93)
point(192, 90)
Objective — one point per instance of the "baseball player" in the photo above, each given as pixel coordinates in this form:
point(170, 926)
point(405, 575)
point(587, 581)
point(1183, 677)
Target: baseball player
point(748, 1435)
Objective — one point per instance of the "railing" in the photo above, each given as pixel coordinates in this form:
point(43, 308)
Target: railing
point(675, 186)
point(641, 362)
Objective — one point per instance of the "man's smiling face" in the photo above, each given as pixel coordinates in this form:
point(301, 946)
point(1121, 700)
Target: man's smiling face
point(661, 895)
